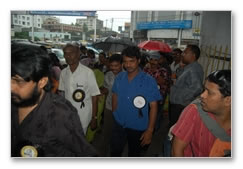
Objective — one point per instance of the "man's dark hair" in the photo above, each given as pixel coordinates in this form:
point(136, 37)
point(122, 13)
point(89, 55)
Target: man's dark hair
point(30, 64)
point(116, 58)
point(177, 50)
point(91, 52)
point(83, 48)
point(132, 51)
point(195, 49)
point(103, 53)
point(223, 79)
point(167, 56)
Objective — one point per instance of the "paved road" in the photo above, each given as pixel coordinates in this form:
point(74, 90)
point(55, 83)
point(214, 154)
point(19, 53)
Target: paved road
point(155, 149)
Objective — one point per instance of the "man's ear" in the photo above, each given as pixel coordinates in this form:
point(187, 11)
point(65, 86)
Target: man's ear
point(227, 101)
point(42, 82)
point(194, 56)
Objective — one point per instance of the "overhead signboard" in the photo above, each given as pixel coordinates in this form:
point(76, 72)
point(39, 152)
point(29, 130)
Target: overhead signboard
point(64, 13)
point(173, 24)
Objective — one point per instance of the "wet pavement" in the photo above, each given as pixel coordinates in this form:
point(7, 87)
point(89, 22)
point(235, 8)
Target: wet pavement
point(155, 149)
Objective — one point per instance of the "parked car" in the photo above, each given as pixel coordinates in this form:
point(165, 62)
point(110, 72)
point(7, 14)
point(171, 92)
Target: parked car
point(95, 51)
point(60, 55)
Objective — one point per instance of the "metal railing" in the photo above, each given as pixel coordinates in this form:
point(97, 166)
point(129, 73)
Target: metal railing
point(215, 57)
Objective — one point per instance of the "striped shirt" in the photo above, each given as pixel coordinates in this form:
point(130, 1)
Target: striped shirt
point(191, 129)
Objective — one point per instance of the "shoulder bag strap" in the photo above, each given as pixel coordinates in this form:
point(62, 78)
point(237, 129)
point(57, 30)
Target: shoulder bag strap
point(211, 124)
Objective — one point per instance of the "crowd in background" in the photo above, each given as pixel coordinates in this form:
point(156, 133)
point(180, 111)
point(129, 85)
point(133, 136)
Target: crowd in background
point(125, 95)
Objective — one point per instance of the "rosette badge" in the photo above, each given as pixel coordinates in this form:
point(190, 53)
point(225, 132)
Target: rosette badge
point(139, 102)
point(78, 96)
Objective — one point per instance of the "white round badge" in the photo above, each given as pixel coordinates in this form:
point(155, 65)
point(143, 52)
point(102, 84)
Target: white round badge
point(139, 102)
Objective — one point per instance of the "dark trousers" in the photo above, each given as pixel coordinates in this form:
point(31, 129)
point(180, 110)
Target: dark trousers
point(159, 117)
point(108, 122)
point(174, 113)
point(122, 135)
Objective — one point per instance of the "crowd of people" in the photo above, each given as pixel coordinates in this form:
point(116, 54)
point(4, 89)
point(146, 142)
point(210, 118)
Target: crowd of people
point(57, 111)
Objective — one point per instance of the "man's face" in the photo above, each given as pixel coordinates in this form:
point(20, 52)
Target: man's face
point(102, 59)
point(176, 56)
point(154, 63)
point(115, 67)
point(131, 64)
point(187, 56)
point(211, 98)
point(72, 55)
point(24, 94)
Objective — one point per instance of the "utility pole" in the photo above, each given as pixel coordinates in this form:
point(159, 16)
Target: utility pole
point(180, 31)
point(106, 25)
point(33, 28)
point(95, 28)
point(112, 20)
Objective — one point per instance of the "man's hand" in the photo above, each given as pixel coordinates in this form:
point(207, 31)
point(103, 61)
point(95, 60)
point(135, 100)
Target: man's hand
point(93, 123)
point(146, 138)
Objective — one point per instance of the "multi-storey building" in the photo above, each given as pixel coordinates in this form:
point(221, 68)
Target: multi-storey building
point(165, 25)
point(26, 20)
point(53, 25)
point(90, 21)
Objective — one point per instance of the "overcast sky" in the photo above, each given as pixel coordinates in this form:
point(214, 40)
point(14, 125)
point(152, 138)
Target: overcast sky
point(119, 18)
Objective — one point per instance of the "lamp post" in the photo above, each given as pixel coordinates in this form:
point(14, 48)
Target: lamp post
point(180, 31)
point(95, 27)
point(32, 30)
point(197, 25)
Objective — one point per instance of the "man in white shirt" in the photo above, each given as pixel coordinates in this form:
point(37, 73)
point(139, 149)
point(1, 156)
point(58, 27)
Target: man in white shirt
point(176, 54)
point(116, 67)
point(79, 86)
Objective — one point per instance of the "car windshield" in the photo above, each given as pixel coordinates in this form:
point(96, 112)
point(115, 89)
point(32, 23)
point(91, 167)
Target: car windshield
point(59, 53)
point(95, 50)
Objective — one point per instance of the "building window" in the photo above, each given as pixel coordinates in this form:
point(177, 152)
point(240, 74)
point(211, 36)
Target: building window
point(23, 17)
point(15, 16)
point(38, 20)
point(19, 22)
point(28, 23)
point(38, 25)
point(23, 23)
point(28, 18)
point(16, 21)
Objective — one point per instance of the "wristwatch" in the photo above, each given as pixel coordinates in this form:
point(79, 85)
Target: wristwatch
point(94, 117)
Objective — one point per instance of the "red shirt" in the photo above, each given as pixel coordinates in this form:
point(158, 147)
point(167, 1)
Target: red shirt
point(191, 129)
point(164, 88)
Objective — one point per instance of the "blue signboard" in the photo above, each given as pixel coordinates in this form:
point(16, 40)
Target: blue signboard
point(64, 13)
point(173, 24)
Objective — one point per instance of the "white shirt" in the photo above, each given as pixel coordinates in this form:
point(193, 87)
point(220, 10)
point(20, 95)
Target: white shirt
point(173, 67)
point(82, 78)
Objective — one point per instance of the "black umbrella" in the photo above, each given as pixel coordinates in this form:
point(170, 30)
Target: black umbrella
point(113, 44)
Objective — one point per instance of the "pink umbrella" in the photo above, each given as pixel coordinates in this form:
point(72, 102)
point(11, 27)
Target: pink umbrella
point(155, 45)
